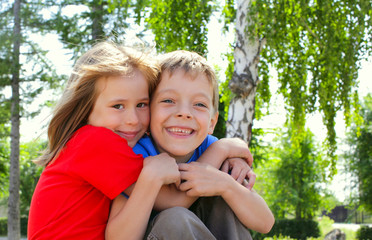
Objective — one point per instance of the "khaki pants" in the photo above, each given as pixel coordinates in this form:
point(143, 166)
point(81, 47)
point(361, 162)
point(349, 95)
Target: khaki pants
point(208, 218)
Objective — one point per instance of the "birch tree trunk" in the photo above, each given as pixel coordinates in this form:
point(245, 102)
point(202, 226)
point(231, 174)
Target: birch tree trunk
point(244, 81)
point(13, 201)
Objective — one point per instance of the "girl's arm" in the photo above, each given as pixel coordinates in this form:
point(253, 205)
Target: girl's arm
point(250, 208)
point(129, 217)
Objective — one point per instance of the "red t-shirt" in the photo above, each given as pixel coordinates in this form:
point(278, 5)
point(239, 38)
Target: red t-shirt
point(73, 196)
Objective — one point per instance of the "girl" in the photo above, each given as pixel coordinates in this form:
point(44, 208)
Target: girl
point(103, 112)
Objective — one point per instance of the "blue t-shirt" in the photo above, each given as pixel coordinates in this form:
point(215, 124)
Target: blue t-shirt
point(146, 147)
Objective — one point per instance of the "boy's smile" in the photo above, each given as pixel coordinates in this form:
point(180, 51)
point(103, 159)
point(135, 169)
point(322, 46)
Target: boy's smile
point(122, 105)
point(182, 113)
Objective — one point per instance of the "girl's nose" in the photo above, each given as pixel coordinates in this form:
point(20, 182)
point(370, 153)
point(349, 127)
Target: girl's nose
point(131, 117)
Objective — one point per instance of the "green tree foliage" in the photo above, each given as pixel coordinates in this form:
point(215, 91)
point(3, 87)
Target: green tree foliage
point(37, 72)
point(175, 24)
point(180, 24)
point(81, 23)
point(359, 156)
point(29, 173)
point(4, 166)
point(316, 48)
point(296, 174)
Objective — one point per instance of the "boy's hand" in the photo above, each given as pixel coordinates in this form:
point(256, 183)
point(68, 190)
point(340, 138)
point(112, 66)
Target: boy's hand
point(202, 180)
point(163, 167)
point(238, 168)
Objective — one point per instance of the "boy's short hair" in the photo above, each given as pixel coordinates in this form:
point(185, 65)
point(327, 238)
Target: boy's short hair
point(193, 64)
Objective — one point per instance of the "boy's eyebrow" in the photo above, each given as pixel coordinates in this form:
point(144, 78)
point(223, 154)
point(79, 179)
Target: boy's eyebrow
point(171, 90)
point(126, 99)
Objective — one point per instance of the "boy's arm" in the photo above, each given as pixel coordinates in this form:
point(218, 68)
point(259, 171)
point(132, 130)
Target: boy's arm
point(226, 148)
point(248, 206)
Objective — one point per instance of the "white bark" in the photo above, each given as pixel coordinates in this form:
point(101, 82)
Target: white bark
point(245, 78)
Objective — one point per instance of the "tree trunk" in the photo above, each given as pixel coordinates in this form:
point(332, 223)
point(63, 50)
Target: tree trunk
point(244, 81)
point(13, 201)
point(97, 19)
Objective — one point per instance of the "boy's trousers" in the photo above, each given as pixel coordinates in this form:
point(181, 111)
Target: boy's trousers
point(208, 218)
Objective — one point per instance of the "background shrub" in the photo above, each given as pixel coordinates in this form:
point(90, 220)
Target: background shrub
point(293, 228)
point(4, 226)
point(364, 233)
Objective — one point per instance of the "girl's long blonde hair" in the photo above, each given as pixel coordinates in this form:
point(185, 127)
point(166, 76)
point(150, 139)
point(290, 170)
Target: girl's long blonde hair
point(77, 101)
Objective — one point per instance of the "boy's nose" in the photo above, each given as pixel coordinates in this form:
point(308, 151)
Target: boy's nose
point(184, 112)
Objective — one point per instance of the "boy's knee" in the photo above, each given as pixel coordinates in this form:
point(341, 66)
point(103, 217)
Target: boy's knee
point(178, 221)
point(174, 216)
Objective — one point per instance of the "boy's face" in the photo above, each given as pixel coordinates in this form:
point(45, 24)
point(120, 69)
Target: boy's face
point(182, 113)
point(122, 105)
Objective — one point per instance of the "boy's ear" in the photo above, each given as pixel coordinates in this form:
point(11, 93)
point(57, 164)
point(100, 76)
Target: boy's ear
point(213, 123)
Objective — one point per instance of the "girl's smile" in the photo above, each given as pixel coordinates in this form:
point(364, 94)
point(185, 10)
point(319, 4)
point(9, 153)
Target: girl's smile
point(122, 105)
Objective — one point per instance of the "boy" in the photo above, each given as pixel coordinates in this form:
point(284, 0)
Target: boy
point(184, 110)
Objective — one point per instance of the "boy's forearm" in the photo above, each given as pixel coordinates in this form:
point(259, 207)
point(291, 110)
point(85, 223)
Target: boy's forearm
point(215, 154)
point(250, 208)
point(223, 149)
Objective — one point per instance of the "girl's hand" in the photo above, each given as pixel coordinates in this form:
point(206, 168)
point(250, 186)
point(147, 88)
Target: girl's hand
point(239, 169)
point(162, 167)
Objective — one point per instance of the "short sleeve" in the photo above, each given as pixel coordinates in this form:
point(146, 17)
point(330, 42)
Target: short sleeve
point(146, 147)
point(104, 159)
point(203, 146)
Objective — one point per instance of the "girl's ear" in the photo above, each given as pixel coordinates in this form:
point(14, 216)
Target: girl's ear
point(213, 123)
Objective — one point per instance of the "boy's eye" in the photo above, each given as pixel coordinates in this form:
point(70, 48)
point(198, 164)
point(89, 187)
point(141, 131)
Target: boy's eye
point(201, 105)
point(142, 105)
point(118, 106)
point(167, 101)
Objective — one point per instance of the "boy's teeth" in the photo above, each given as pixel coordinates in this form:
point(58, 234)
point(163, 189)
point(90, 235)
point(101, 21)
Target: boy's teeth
point(178, 130)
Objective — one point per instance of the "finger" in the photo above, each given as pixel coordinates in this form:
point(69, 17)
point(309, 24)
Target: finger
point(225, 167)
point(235, 172)
point(245, 183)
point(241, 177)
point(194, 193)
point(178, 182)
point(183, 166)
point(185, 186)
point(252, 179)
point(250, 159)
point(184, 176)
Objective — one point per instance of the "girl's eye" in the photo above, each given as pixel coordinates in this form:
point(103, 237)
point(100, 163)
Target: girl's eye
point(118, 106)
point(142, 105)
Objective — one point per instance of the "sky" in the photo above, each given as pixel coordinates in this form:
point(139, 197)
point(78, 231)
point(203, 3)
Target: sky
point(32, 129)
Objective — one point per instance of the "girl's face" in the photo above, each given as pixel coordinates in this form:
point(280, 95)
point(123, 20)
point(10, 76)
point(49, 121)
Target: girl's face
point(122, 105)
